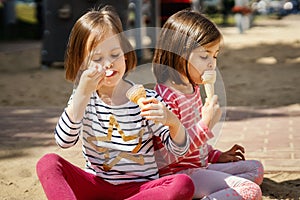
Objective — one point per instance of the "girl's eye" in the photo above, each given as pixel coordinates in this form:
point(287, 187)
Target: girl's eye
point(97, 59)
point(204, 56)
point(115, 55)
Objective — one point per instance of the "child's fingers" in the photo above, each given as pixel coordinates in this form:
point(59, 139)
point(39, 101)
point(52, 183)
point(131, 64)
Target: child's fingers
point(100, 68)
point(95, 73)
point(206, 102)
point(152, 112)
point(155, 118)
point(100, 74)
point(237, 147)
point(90, 72)
point(151, 104)
point(240, 155)
point(213, 100)
point(150, 100)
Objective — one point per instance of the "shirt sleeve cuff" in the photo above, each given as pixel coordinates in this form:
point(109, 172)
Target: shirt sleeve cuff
point(214, 156)
point(180, 150)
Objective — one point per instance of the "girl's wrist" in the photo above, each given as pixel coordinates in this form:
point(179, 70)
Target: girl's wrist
point(205, 122)
point(82, 91)
point(172, 120)
point(79, 103)
point(177, 133)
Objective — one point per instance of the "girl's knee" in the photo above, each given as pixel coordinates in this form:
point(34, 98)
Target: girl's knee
point(258, 179)
point(185, 186)
point(251, 191)
point(257, 194)
point(48, 161)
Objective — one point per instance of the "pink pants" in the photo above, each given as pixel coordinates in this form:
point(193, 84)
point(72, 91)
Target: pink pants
point(233, 180)
point(62, 180)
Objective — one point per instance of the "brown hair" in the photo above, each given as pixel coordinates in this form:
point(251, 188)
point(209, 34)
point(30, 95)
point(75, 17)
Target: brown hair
point(88, 32)
point(181, 34)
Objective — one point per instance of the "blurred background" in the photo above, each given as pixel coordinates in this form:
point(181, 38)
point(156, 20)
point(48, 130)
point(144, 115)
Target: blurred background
point(51, 21)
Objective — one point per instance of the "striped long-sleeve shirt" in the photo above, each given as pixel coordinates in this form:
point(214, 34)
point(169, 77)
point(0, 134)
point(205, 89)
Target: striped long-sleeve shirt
point(117, 141)
point(187, 107)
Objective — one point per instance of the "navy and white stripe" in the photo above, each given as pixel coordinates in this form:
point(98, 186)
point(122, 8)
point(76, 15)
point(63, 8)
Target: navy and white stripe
point(95, 123)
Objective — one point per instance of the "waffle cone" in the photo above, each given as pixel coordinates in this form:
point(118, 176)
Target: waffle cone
point(135, 93)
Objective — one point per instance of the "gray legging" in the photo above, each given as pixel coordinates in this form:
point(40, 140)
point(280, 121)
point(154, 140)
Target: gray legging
point(233, 180)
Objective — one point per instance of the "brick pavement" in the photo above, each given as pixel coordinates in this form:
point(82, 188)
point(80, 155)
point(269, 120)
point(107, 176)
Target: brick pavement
point(269, 135)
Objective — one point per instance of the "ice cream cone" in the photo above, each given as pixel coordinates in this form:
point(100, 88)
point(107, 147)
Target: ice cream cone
point(136, 94)
point(209, 79)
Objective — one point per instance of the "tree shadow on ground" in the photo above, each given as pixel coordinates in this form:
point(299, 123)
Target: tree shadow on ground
point(242, 113)
point(23, 128)
point(283, 190)
point(261, 75)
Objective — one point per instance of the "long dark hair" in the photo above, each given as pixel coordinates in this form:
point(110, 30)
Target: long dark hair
point(181, 34)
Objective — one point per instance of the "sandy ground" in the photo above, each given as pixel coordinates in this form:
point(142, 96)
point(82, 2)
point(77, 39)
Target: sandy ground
point(259, 68)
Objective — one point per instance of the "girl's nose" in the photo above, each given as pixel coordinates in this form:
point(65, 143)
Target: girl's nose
point(215, 63)
point(108, 64)
point(212, 64)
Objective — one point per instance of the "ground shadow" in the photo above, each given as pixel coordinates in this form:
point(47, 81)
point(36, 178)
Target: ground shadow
point(26, 128)
point(261, 75)
point(283, 190)
point(237, 115)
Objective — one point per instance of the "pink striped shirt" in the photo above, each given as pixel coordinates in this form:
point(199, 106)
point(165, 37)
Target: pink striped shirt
point(187, 107)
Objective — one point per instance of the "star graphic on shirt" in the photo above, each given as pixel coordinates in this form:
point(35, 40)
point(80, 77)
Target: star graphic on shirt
point(113, 123)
